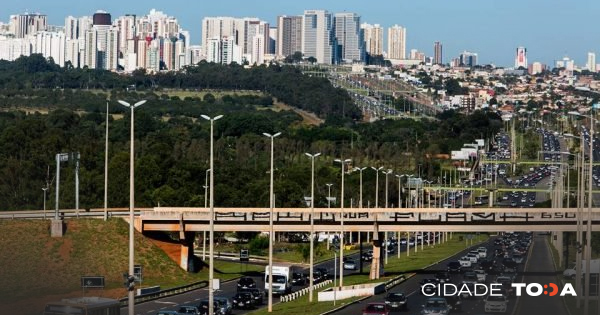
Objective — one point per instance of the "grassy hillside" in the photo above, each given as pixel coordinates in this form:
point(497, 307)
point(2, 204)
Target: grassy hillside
point(36, 266)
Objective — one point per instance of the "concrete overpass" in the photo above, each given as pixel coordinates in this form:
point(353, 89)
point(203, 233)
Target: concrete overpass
point(364, 220)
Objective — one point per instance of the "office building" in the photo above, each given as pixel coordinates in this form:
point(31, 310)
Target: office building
point(373, 39)
point(438, 53)
point(396, 42)
point(318, 40)
point(350, 45)
point(521, 58)
point(289, 35)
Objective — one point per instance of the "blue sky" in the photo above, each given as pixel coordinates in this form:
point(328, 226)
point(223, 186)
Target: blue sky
point(550, 29)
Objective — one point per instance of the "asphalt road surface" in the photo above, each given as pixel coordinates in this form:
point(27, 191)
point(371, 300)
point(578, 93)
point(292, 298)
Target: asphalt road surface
point(540, 269)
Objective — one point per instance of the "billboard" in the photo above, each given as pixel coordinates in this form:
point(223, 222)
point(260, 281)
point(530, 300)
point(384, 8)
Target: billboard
point(460, 155)
point(470, 152)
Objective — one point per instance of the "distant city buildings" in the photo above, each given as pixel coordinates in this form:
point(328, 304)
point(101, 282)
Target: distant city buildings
point(437, 53)
point(468, 59)
point(521, 58)
point(536, 68)
point(157, 42)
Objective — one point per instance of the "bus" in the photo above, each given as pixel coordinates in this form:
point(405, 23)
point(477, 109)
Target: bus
point(84, 306)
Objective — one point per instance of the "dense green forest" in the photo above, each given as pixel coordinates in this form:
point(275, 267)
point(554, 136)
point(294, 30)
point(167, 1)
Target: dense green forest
point(172, 145)
point(286, 83)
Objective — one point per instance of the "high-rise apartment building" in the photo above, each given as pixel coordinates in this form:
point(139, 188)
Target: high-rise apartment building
point(22, 25)
point(350, 45)
point(591, 62)
point(396, 42)
point(318, 40)
point(438, 58)
point(289, 35)
point(521, 58)
point(373, 38)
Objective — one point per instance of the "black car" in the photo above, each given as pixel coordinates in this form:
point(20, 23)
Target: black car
point(397, 301)
point(298, 278)
point(366, 257)
point(246, 283)
point(324, 273)
point(189, 309)
point(454, 267)
point(257, 294)
point(429, 286)
point(204, 307)
point(455, 302)
point(317, 276)
point(443, 277)
point(244, 300)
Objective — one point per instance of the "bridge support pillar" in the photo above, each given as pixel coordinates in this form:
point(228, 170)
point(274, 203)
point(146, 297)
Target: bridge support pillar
point(187, 257)
point(376, 268)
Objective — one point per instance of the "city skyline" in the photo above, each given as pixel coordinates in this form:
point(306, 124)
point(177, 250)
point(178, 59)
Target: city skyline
point(495, 42)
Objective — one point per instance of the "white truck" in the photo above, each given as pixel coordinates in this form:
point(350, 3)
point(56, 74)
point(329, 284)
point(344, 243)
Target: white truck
point(282, 279)
point(572, 272)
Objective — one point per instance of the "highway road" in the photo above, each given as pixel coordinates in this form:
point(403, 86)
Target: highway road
point(227, 290)
point(539, 269)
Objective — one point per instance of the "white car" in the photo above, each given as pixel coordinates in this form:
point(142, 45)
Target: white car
point(473, 258)
point(482, 252)
point(481, 275)
point(465, 262)
point(495, 304)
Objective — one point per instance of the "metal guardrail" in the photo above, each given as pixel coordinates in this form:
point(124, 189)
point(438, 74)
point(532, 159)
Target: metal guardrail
point(165, 293)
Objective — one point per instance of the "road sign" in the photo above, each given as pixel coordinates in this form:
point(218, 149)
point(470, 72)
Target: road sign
point(92, 282)
point(244, 255)
point(137, 273)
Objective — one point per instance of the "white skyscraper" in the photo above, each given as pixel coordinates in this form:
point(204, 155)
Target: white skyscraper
point(373, 38)
point(521, 58)
point(591, 62)
point(396, 42)
point(318, 40)
point(223, 50)
point(350, 44)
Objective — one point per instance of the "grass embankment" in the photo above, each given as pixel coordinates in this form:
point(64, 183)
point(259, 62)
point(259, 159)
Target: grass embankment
point(35, 266)
point(395, 267)
point(287, 252)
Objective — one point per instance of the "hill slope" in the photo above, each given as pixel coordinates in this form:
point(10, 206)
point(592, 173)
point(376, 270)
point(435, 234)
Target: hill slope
point(37, 268)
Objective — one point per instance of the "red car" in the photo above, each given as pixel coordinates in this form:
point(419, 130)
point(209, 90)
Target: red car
point(376, 309)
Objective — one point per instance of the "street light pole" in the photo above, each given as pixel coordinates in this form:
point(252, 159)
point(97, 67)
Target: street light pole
point(211, 268)
point(131, 293)
point(387, 173)
point(312, 222)
point(328, 207)
point(205, 207)
point(271, 230)
point(45, 189)
point(106, 168)
point(343, 162)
